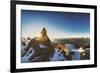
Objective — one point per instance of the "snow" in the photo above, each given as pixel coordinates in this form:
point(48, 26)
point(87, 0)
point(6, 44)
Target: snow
point(27, 56)
point(71, 46)
point(26, 43)
point(76, 55)
point(58, 56)
point(42, 46)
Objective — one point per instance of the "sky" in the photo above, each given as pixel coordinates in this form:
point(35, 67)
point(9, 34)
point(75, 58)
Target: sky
point(58, 24)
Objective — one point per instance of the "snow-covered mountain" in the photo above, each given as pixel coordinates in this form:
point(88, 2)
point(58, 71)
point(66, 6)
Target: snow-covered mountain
point(24, 44)
point(43, 49)
point(57, 55)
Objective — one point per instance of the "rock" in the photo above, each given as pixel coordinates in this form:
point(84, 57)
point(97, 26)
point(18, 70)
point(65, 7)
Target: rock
point(42, 47)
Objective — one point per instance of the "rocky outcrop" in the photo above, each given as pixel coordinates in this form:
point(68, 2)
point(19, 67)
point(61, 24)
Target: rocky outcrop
point(42, 47)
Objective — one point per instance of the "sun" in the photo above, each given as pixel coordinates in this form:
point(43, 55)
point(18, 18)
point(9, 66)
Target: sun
point(39, 35)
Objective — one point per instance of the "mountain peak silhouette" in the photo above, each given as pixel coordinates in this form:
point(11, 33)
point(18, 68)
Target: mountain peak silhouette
point(42, 47)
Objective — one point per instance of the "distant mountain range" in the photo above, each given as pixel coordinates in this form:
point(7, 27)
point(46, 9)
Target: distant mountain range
point(78, 42)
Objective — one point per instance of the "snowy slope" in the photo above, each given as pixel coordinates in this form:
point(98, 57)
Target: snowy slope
point(27, 56)
point(57, 56)
point(76, 55)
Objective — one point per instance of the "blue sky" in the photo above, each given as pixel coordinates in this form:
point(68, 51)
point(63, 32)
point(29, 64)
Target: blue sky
point(58, 24)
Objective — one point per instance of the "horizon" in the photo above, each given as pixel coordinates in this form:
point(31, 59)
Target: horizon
point(57, 24)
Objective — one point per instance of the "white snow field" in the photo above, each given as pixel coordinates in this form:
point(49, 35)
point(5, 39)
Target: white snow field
point(57, 56)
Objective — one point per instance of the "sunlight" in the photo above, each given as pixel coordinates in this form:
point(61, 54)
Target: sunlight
point(39, 35)
point(81, 50)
